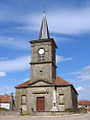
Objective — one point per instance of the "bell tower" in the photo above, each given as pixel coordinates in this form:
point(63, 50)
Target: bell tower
point(43, 55)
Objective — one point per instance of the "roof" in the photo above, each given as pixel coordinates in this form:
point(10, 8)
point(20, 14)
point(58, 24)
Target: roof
point(83, 102)
point(44, 32)
point(23, 84)
point(58, 81)
point(4, 98)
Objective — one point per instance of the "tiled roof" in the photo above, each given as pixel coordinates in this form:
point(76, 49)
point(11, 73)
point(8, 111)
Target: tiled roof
point(4, 99)
point(23, 84)
point(58, 81)
point(83, 102)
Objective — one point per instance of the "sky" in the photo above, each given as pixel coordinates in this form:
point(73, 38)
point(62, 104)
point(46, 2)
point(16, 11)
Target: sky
point(69, 25)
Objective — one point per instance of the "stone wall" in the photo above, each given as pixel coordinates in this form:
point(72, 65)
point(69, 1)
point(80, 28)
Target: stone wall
point(36, 46)
point(19, 93)
point(74, 99)
point(35, 92)
point(41, 72)
point(14, 113)
point(46, 69)
point(66, 92)
point(68, 95)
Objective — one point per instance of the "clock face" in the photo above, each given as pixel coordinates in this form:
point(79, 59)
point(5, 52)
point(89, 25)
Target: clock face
point(41, 51)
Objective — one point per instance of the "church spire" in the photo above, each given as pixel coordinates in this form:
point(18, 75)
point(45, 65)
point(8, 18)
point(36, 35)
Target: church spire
point(44, 32)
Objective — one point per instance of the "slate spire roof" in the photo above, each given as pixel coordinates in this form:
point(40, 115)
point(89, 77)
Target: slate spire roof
point(44, 32)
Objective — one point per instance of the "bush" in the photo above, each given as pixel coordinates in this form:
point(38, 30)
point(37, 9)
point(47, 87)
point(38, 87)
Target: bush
point(72, 110)
point(81, 109)
point(3, 109)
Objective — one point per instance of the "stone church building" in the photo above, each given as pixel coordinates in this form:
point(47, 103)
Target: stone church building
point(44, 91)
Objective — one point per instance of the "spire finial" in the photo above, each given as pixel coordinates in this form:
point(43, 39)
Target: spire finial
point(44, 32)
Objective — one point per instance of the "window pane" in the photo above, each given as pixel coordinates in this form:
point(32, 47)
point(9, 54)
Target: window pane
point(23, 99)
point(61, 99)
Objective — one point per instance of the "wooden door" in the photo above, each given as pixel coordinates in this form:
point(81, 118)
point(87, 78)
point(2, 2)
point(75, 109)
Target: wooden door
point(40, 103)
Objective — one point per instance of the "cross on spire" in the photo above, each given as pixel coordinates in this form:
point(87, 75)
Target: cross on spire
point(44, 32)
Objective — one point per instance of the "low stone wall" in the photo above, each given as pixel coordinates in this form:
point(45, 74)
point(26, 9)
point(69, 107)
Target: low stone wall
point(53, 113)
point(9, 113)
point(45, 113)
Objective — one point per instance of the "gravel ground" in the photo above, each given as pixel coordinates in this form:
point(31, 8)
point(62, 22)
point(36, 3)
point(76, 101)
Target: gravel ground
point(72, 117)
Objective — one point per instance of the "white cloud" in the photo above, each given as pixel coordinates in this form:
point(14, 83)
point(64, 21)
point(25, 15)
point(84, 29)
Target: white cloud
point(75, 21)
point(62, 39)
point(83, 74)
point(84, 92)
point(17, 64)
point(2, 74)
point(14, 43)
point(3, 58)
point(84, 77)
point(79, 88)
point(65, 21)
point(62, 59)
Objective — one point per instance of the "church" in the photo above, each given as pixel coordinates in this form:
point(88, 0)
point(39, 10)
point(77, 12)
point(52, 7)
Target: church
point(45, 91)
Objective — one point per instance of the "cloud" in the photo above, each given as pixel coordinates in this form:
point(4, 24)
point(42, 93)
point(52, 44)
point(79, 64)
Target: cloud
point(65, 21)
point(2, 74)
point(84, 92)
point(79, 88)
point(70, 21)
point(14, 43)
point(83, 74)
point(62, 39)
point(4, 58)
point(17, 64)
point(84, 77)
point(62, 59)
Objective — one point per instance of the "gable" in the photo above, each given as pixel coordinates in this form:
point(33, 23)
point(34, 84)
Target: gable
point(40, 83)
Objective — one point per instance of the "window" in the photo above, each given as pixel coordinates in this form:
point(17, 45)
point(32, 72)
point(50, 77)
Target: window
point(61, 99)
point(23, 99)
point(41, 57)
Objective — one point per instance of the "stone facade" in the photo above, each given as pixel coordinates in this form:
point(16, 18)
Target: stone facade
point(45, 91)
point(46, 69)
point(42, 89)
